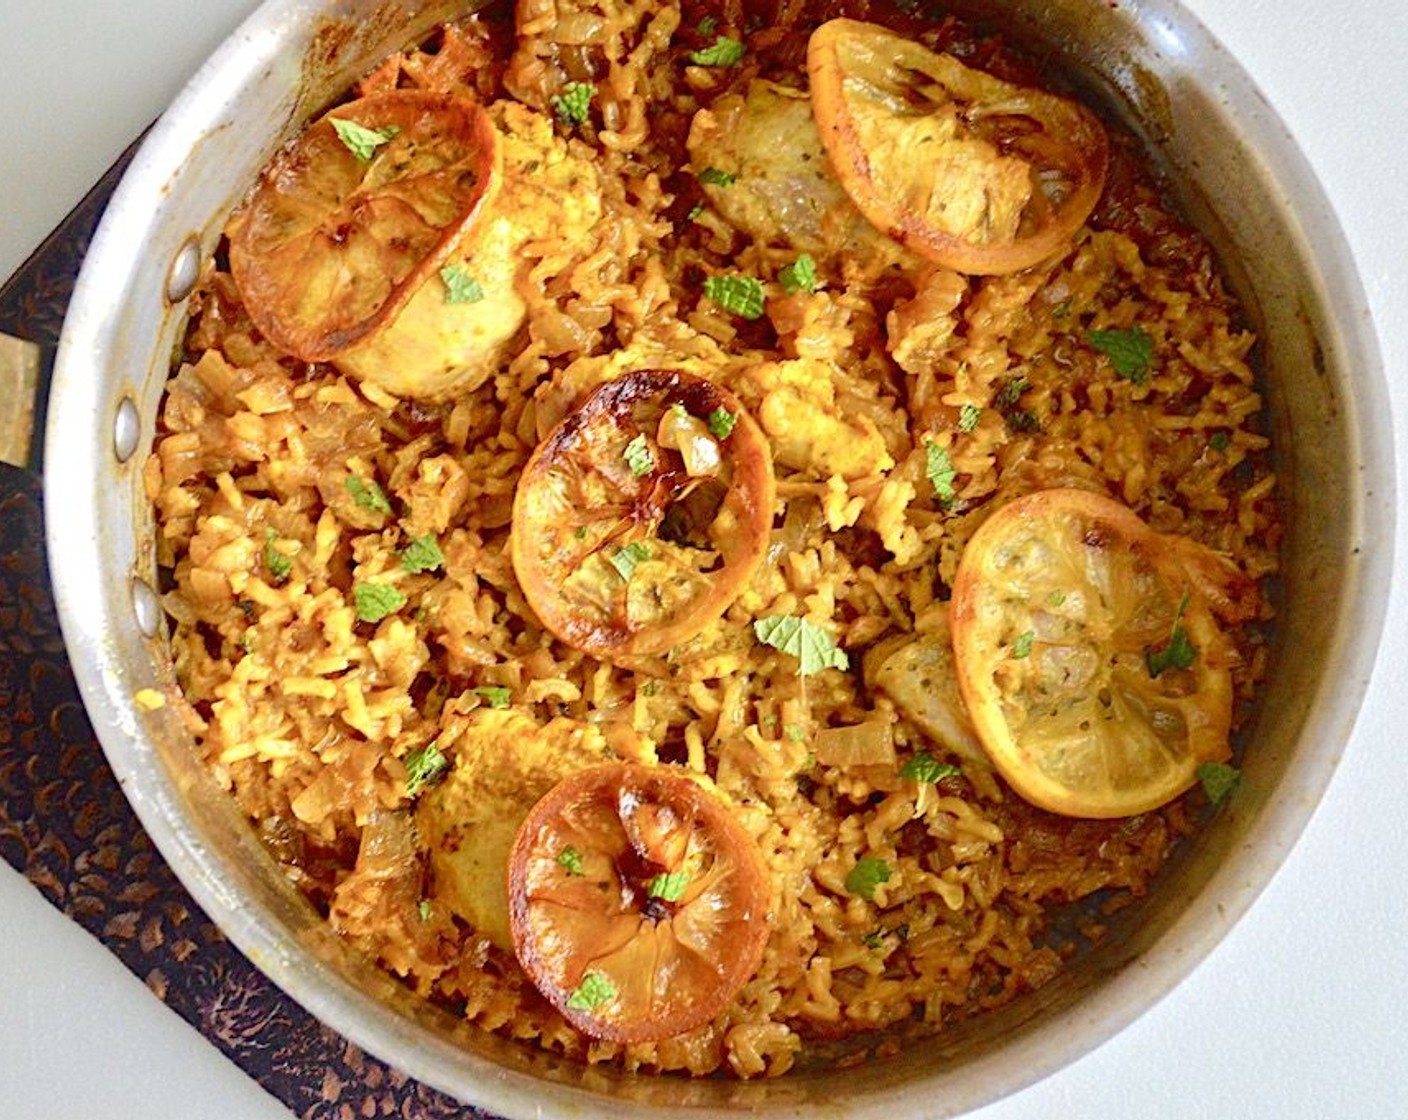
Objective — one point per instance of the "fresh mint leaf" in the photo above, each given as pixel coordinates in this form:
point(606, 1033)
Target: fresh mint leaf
point(279, 566)
point(1130, 351)
point(460, 286)
point(1011, 392)
point(740, 295)
point(1218, 780)
point(625, 558)
point(723, 52)
point(924, 767)
point(422, 555)
point(594, 990)
point(361, 141)
point(799, 276)
point(638, 455)
point(938, 467)
point(814, 648)
point(493, 695)
point(367, 494)
point(374, 601)
point(668, 886)
point(721, 422)
point(714, 177)
point(573, 104)
point(866, 875)
point(1179, 652)
point(424, 766)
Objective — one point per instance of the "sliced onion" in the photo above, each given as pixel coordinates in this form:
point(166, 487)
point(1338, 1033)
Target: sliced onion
point(861, 744)
point(388, 845)
point(683, 432)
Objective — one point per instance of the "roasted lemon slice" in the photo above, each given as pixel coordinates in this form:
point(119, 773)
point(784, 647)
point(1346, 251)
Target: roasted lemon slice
point(349, 220)
point(1094, 672)
point(643, 514)
point(972, 172)
point(638, 904)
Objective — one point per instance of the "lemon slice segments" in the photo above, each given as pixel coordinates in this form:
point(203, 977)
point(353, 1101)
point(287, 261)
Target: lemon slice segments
point(975, 173)
point(625, 546)
point(1060, 601)
point(332, 242)
point(638, 903)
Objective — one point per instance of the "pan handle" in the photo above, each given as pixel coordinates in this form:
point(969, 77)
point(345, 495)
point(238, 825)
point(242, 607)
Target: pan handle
point(32, 303)
point(24, 384)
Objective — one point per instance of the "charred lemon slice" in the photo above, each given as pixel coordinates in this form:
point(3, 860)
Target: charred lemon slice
point(1095, 675)
point(638, 904)
point(642, 515)
point(972, 172)
point(350, 219)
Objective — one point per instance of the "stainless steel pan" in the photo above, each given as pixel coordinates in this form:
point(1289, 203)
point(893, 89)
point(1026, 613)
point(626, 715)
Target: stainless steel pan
point(1241, 179)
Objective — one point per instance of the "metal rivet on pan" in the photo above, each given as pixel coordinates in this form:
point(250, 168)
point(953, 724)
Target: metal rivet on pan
point(146, 607)
point(126, 430)
point(185, 270)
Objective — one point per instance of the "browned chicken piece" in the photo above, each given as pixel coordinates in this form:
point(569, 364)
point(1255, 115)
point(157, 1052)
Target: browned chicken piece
point(452, 336)
point(504, 762)
point(784, 191)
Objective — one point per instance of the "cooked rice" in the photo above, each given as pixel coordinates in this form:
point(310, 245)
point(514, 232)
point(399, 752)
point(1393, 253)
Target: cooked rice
point(306, 714)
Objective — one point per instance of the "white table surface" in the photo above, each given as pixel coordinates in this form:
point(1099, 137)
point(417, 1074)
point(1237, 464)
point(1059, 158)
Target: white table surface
point(1301, 1013)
